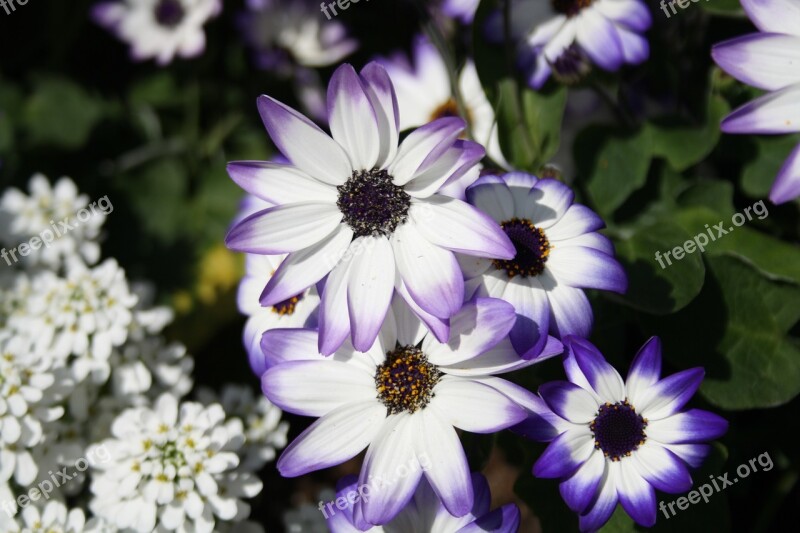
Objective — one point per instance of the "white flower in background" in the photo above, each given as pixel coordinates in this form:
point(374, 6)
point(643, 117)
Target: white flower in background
point(26, 385)
point(158, 29)
point(306, 517)
point(167, 467)
point(424, 93)
point(287, 32)
point(150, 367)
point(263, 429)
point(54, 517)
point(52, 209)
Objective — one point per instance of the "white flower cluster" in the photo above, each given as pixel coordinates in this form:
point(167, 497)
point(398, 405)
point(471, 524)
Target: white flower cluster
point(84, 368)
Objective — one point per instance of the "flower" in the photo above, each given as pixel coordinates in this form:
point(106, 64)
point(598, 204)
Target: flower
point(54, 517)
point(363, 211)
point(167, 465)
point(558, 254)
point(286, 32)
point(49, 214)
point(619, 440)
point(425, 512)
point(605, 32)
point(463, 10)
point(768, 61)
point(263, 429)
point(424, 93)
point(158, 29)
point(402, 400)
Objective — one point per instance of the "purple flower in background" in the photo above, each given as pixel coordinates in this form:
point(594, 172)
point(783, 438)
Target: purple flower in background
point(283, 33)
point(769, 60)
point(363, 211)
point(463, 10)
point(606, 33)
point(558, 254)
point(618, 441)
point(424, 512)
point(402, 400)
point(158, 29)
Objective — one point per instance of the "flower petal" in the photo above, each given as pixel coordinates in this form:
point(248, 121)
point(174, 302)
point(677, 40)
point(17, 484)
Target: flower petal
point(490, 194)
point(370, 287)
point(279, 183)
point(506, 519)
point(532, 306)
point(670, 394)
point(586, 268)
point(603, 378)
point(422, 145)
point(766, 61)
point(570, 310)
point(569, 401)
point(303, 143)
point(604, 503)
point(662, 468)
point(598, 38)
point(565, 454)
point(694, 425)
point(636, 495)
point(581, 487)
point(315, 388)
point(334, 319)
point(787, 183)
point(774, 113)
point(473, 406)
point(352, 118)
point(333, 439)
point(285, 228)
point(645, 370)
point(380, 91)
point(778, 16)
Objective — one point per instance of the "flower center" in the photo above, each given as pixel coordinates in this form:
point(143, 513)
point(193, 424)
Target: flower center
point(405, 380)
point(532, 247)
point(372, 204)
point(571, 66)
point(570, 8)
point(447, 109)
point(169, 13)
point(288, 306)
point(171, 454)
point(618, 430)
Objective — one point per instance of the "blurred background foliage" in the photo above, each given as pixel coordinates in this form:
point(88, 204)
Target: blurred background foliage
point(642, 148)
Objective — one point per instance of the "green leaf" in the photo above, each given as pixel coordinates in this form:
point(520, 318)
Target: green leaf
point(730, 8)
point(61, 113)
point(613, 164)
point(651, 288)
point(685, 145)
point(713, 194)
point(759, 174)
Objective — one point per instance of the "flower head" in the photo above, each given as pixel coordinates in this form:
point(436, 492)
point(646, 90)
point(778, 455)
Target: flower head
point(559, 253)
point(617, 441)
point(402, 400)
point(424, 511)
point(768, 61)
point(158, 29)
point(363, 211)
point(605, 32)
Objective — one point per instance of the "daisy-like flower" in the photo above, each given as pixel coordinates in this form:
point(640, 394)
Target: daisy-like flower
point(54, 517)
point(605, 32)
point(50, 212)
point(402, 400)
point(424, 93)
point(167, 465)
point(425, 513)
point(769, 60)
point(283, 33)
point(558, 254)
point(619, 440)
point(158, 29)
point(364, 211)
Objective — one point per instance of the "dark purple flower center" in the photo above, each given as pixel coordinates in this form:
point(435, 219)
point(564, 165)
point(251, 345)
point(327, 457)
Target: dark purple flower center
point(372, 204)
point(570, 8)
point(405, 380)
point(169, 13)
point(618, 430)
point(571, 66)
point(532, 247)
point(288, 306)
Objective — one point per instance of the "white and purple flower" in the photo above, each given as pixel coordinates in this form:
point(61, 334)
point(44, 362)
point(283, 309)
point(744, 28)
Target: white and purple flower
point(402, 400)
point(618, 441)
point(363, 211)
point(158, 29)
point(424, 93)
point(769, 60)
point(559, 253)
point(606, 33)
point(424, 512)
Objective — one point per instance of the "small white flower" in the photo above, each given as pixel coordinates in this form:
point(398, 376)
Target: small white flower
point(158, 29)
point(50, 213)
point(168, 465)
point(54, 517)
point(263, 430)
